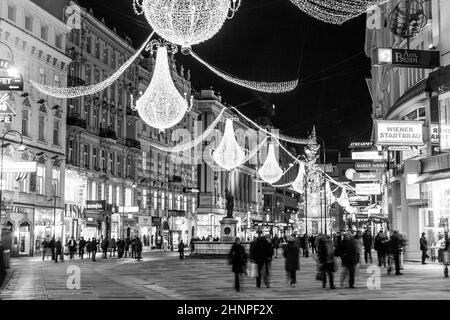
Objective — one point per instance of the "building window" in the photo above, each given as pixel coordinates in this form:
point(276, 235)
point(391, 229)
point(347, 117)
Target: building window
point(103, 156)
point(193, 205)
point(155, 200)
point(94, 190)
point(44, 33)
point(179, 202)
point(119, 128)
point(58, 41)
point(113, 59)
point(170, 201)
point(57, 81)
point(86, 156)
point(41, 75)
point(185, 204)
point(55, 181)
point(88, 44)
point(144, 160)
point(25, 122)
point(41, 128)
point(118, 196)
point(111, 162)
point(40, 178)
point(88, 75)
point(128, 197)
point(444, 119)
point(119, 165)
point(56, 133)
point(144, 198)
point(163, 201)
point(97, 50)
point(29, 23)
point(105, 54)
point(95, 158)
point(12, 13)
point(95, 118)
point(102, 191)
point(110, 194)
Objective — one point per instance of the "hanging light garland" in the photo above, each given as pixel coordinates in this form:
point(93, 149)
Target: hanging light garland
point(270, 171)
point(228, 153)
point(299, 182)
point(74, 92)
point(186, 22)
point(162, 106)
point(268, 87)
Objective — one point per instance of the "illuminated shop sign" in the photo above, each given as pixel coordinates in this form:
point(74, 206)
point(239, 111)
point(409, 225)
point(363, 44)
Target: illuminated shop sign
point(367, 188)
point(96, 204)
point(367, 176)
point(22, 166)
point(360, 145)
point(408, 58)
point(367, 155)
point(370, 165)
point(406, 133)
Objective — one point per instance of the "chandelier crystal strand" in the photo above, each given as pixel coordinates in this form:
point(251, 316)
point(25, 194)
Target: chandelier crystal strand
point(270, 171)
point(74, 92)
point(228, 153)
point(161, 106)
point(195, 141)
point(299, 182)
point(267, 87)
point(187, 22)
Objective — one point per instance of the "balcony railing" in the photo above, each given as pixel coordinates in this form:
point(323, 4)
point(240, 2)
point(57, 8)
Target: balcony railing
point(76, 121)
point(107, 133)
point(133, 143)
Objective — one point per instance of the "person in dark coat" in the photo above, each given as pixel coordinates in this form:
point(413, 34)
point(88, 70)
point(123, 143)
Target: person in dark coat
point(348, 251)
point(94, 248)
point(261, 253)
point(292, 263)
point(58, 249)
point(312, 242)
point(88, 248)
point(303, 244)
point(105, 245)
point(72, 244)
point(133, 248)
point(51, 245)
point(396, 244)
point(276, 245)
point(238, 259)
point(446, 254)
point(325, 253)
point(380, 248)
point(2, 265)
point(112, 245)
point(127, 246)
point(81, 247)
point(45, 246)
point(367, 242)
point(181, 249)
point(138, 248)
point(424, 247)
point(120, 247)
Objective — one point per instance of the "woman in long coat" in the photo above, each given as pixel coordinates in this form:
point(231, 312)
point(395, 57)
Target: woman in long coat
point(292, 263)
point(238, 259)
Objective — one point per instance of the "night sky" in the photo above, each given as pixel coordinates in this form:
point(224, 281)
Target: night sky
point(272, 40)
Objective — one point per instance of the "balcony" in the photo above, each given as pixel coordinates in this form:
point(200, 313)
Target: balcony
point(76, 122)
point(132, 143)
point(107, 133)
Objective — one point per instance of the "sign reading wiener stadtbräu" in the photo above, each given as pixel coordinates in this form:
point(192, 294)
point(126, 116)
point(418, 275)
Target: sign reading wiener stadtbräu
point(398, 133)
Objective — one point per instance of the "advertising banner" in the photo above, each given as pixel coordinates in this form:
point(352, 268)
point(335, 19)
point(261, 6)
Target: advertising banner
point(400, 133)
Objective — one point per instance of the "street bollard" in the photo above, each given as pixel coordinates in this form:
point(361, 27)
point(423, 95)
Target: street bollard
point(6, 256)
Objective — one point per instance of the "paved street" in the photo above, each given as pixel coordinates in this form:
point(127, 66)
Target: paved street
point(163, 276)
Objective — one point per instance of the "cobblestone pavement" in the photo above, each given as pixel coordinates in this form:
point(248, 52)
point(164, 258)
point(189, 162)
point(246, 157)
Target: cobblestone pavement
point(163, 276)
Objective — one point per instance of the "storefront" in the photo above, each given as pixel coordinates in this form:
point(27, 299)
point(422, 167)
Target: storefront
point(17, 230)
point(98, 217)
point(145, 230)
point(129, 216)
point(208, 225)
point(47, 223)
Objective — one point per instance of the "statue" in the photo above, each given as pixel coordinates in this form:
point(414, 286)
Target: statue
point(229, 204)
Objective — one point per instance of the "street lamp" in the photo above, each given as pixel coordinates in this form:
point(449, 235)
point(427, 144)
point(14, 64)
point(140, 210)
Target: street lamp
point(21, 148)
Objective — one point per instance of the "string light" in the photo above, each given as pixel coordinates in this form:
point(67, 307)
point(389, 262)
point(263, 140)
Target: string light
point(161, 106)
point(228, 154)
point(270, 171)
point(74, 92)
point(186, 22)
point(299, 182)
point(195, 141)
point(268, 87)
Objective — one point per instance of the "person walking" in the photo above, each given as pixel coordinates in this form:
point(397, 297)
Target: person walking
point(72, 244)
point(238, 259)
point(81, 247)
point(380, 248)
point(291, 253)
point(138, 249)
point(395, 247)
point(348, 251)
point(261, 253)
point(127, 247)
point(165, 244)
point(88, 248)
point(105, 245)
point(58, 249)
point(133, 248)
point(276, 245)
point(446, 254)
point(181, 249)
point(45, 246)
point(303, 245)
point(325, 253)
point(52, 247)
point(440, 244)
point(112, 247)
point(367, 242)
point(94, 248)
point(424, 247)
point(120, 247)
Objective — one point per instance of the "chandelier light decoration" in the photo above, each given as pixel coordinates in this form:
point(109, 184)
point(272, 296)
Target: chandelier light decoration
point(267, 87)
point(186, 22)
point(299, 182)
point(336, 11)
point(270, 171)
point(162, 106)
point(74, 92)
point(228, 153)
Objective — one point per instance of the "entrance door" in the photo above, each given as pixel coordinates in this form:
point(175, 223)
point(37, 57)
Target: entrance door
point(7, 234)
point(24, 239)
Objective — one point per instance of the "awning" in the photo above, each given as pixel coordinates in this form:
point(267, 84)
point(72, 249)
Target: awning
point(428, 177)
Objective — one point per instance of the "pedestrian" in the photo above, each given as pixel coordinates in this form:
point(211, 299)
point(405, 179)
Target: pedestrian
point(238, 259)
point(446, 254)
point(292, 263)
point(303, 244)
point(325, 253)
point(359, 246)
point(72, 244)
point(45, 245)
point(181, 249)
point(88, 248)
point(380, 248)
point(165, 244)
point(2, 265)
point(348, 252)
point(105, 245)
point(52, 247)
point(112, 247)
point(58, 249)
point(395, 247)
point(133, 248)
point(261, 253)
point(276, 245)
point(120, 247)
point(127, 246)
point(312, 242)
point(138, 248)
point(441, 247)
point(368, 242)
point(94, 248)
point(81, 247)
point(192, 245)
point(424, 247)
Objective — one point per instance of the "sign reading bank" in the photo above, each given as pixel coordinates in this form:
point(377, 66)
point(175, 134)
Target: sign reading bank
point(398, 133)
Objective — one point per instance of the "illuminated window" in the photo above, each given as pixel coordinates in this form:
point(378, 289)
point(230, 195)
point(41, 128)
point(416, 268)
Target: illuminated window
point(110, 194)
point(144, 198)
point(155, 200)
point(40, 179)
point(56, 181)
point(163, 201)
point(170, 201)
point(144, 160)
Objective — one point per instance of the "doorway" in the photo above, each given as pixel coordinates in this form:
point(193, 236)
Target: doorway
point(24, 238)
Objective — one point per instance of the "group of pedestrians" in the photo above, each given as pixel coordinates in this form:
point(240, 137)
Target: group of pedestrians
point(442, 246)
point(54, 248)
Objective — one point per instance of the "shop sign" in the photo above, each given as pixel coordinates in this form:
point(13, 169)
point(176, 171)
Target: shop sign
point(367, 176)
point(128, 209)
point(361, 216)
point(95, 204)
point(367, 188)
point(374, 210)
point(403, 133)
point(179, 221)
point(11, 83)
point(358, 198)
point(176, 213)
point(426, 59)
point(20, 166)
point(399, 148)
point(360, 145)
point(367, 155)
point(370, 165)
point(434, 133)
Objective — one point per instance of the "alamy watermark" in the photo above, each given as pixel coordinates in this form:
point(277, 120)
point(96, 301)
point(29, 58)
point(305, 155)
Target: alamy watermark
point(74, 279)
